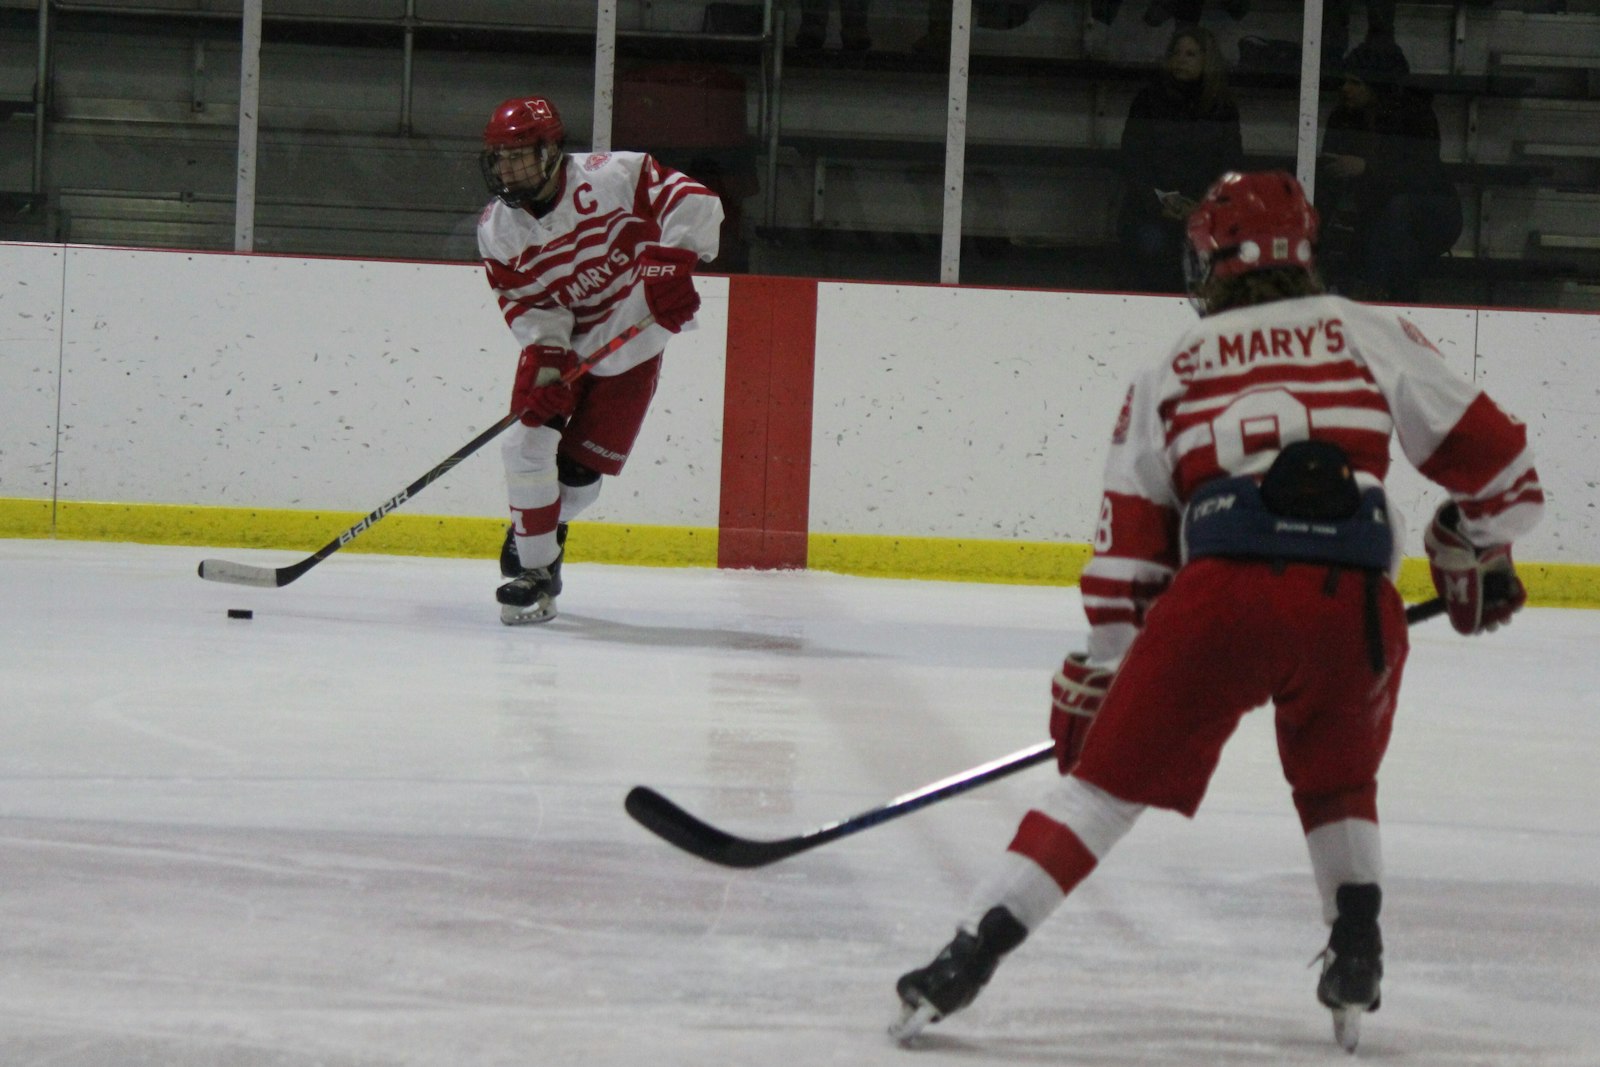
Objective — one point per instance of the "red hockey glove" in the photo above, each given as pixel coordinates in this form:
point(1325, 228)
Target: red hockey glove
point(1076, 694)
point(668, 278)
point(1480, 586)
point(539, 393)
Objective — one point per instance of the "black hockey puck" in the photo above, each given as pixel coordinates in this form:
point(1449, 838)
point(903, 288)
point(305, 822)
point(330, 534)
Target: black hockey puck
point(241, 613)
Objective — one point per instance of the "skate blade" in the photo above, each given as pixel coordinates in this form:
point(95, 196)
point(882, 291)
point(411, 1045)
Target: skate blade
point(1347, 1027)
point(541, 610)
point(912, 1020)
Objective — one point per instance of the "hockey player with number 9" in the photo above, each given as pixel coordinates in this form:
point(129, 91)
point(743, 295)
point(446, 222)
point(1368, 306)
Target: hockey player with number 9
point(1244, 554)
point(579, 248)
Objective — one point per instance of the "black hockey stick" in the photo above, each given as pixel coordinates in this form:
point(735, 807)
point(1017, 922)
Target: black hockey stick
point(677, 827)
point(674, 825)
point(220, 570)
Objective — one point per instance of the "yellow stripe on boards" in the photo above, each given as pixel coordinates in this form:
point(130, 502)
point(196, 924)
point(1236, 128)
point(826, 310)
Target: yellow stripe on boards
point(1573, 585)
point(27, 518)
point(948, 559)
point(307, 531)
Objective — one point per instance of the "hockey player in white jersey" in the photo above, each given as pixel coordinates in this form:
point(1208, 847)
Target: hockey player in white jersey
point(1244, 554)
point(579, 248)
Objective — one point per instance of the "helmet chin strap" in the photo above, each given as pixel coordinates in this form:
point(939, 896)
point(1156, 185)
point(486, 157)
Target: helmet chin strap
point(540, 202)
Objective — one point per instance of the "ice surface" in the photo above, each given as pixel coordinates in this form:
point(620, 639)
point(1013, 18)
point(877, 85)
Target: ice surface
point(374, 826)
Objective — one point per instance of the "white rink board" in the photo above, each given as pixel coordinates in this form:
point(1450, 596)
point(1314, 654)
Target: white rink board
point(1545, 369)
point(273, 382)
point(327, 384)
point(981, 413)
point(30, 348)
point(279, 382)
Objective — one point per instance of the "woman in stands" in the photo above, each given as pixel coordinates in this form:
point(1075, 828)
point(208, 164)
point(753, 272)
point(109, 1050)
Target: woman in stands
point(1182, 133)
point(1390, 209)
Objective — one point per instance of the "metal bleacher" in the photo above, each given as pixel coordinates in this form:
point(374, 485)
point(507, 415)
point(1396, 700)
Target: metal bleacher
point(371, 108)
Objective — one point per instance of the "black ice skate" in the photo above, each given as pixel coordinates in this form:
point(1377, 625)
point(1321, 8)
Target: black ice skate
point(1352, 964)
point(955, 976)
point(530, 595)
point(510, 565)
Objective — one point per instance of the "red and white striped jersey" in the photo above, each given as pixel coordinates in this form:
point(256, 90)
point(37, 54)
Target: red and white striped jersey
point(571, 278)
point(1240, 385)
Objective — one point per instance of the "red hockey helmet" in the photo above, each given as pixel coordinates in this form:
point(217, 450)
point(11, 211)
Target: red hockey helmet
point(519, 123)
point(524, 120)
point(1248, 222)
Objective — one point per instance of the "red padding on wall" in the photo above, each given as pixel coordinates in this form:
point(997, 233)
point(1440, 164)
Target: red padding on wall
point(766, 422)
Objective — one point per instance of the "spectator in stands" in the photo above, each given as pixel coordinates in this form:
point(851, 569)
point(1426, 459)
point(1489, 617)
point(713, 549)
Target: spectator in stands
point(1336, 25)
point(1388, 208)
point(813, 30)
point(1182, 133)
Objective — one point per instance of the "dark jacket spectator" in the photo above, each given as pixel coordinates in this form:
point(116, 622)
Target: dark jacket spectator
point(1182, 134)
point(1388, 207)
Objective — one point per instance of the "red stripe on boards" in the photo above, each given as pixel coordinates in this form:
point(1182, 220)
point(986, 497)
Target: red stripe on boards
point(766, 423)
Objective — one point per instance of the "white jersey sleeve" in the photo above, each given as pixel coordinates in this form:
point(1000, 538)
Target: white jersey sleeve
point(688, 214)
point(1449, 429)
point(1136, 535)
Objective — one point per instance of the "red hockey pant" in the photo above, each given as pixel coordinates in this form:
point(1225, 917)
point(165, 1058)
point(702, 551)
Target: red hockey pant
point(1229, 636)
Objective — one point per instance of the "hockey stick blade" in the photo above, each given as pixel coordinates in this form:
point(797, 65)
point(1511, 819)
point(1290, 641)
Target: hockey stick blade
point(221, 570)
point(699, 838)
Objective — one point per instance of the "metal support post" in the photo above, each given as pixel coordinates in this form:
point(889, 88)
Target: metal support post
point(244, 214)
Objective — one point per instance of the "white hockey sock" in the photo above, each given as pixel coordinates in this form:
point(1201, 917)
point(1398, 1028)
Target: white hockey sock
point(529, 454)
point(1347, 851)
point(1098, 818)
point(1019, 885)
point(576, 498)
